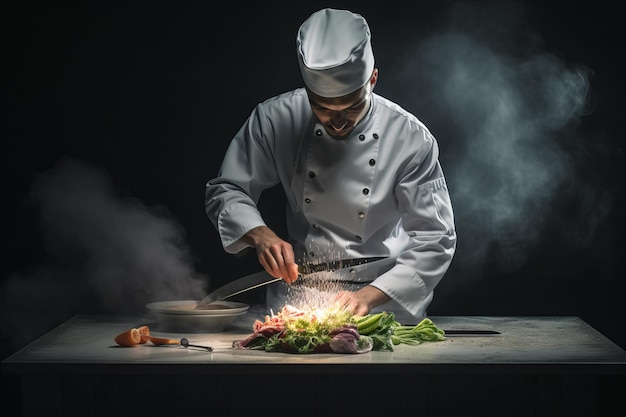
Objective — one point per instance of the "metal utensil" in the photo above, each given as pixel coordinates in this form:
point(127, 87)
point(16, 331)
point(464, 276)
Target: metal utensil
point(468, 332)
point(259, 279)
point(238, 286)
point(184, 342)
point(335, 265)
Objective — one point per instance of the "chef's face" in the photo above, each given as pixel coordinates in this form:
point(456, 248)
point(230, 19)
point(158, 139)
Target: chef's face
point(340, 115)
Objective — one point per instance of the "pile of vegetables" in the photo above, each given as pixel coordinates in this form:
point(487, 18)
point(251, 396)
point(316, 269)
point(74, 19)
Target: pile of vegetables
point(297, 331)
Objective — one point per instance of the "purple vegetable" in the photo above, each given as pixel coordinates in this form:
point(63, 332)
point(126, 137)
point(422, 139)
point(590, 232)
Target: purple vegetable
point(345, 329)
point(348, 340)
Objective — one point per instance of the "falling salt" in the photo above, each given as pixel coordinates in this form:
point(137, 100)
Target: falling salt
point(315, 292)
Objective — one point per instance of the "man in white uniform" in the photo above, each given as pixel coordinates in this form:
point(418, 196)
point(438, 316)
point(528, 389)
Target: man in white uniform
point(361, 177)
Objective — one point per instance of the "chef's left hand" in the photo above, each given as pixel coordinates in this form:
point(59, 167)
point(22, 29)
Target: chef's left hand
point(361, 302)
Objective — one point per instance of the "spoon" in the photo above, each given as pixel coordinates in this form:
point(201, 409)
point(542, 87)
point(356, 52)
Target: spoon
point(184, 342)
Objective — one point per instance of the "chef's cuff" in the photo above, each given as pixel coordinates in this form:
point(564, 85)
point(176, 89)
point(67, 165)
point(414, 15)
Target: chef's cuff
point(404, 285)
point(234, 222)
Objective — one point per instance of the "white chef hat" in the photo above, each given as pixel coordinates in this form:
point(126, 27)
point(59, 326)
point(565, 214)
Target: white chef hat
point(335, 52)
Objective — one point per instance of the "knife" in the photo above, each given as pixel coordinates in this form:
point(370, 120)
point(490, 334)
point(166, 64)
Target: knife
point(456, 332)
point(238, 286)
point(307, 269)
point(259, 279)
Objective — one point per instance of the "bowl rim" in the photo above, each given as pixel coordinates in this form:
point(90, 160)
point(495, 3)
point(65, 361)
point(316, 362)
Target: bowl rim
point(187, 307)
point(199, 316)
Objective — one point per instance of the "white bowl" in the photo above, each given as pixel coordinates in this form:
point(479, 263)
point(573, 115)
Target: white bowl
point(181, 315)
point(195, 323)
point(188, 307)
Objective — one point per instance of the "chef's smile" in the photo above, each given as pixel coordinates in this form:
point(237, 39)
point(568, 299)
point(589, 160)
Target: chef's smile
point(340, 115)
point(336, 129)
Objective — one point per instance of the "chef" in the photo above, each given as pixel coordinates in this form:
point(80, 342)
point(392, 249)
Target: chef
point(361, 177)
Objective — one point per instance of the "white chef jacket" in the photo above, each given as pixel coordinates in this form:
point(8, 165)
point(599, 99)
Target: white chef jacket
point(379, 192)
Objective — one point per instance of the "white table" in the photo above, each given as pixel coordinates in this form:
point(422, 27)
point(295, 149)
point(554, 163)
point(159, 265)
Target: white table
point(535, 366)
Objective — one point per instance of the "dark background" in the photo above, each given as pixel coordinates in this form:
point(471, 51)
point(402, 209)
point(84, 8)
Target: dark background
point(116, 114)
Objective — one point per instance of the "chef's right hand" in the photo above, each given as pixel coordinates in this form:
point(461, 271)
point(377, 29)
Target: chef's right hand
point(274, 254)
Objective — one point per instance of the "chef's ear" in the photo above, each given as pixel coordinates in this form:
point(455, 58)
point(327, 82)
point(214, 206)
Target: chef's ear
point(374, 78)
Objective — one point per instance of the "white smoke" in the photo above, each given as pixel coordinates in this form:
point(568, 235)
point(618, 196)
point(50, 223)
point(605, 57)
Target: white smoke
point(106, 253)
point(507, 112)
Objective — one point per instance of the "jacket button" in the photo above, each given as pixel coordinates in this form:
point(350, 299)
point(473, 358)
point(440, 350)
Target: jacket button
point(372, 162)
point(318, 132)
point(375, 135)
point(366, 191)
point(361, 215)
point(308, 200)
point(315, 226)
point(361, 137)
point(311, 174)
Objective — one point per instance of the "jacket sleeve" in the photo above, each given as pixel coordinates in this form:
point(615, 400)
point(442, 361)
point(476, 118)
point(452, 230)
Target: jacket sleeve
point(428, 220)
point(247, 169)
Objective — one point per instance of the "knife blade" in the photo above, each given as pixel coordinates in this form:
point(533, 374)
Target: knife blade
point(238, 286)
point(459, 332)
point(307, 269)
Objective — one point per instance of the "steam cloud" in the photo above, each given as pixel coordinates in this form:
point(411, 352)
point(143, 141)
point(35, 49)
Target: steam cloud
point(509, 135)
point(108, 254)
